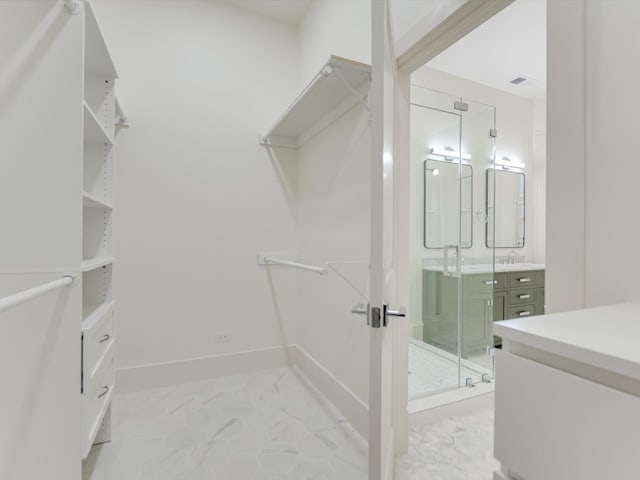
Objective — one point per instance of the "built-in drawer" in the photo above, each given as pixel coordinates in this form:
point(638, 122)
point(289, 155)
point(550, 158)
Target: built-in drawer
point(521, 311)
point(97, 339)
point(484, 281)
point(521, 296)
point(526, 279)
point(95, 399)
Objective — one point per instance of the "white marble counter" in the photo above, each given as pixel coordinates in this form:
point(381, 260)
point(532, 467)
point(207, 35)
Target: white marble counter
point(605, 337)
point(488, 268)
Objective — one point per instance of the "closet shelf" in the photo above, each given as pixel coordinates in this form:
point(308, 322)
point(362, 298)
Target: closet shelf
point(93, 313)
point(340, 84)
point(94, 132)
point(90, 201)
point(89, 264)
point(97, 58)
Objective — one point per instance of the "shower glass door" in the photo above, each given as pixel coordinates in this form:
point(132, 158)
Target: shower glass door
point(436, 242)
point(477, 282)
point(452, 269)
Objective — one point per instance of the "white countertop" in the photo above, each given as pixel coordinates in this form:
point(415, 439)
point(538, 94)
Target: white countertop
point(605, 337)
point(488, 268)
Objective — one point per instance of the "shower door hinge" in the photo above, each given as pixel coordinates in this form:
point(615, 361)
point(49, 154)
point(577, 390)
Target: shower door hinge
point(463, 107)
point(493, 133)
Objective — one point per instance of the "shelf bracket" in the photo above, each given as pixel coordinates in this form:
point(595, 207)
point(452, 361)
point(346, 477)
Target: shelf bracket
point(352, 90)
point(267, 141)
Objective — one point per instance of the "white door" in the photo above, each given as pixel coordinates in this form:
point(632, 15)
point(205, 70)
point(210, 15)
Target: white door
point(383, 314)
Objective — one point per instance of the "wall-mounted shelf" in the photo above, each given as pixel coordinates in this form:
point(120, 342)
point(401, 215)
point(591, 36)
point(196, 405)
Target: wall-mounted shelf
point(93, 130)
point(93, 313)
point(93, 263)
point(96, 57)
point(90, 201)
point(338, 87)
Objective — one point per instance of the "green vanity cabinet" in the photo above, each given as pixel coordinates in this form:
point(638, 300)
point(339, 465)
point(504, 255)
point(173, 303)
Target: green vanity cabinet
point(484, 298)
point(440, 310)
point(523, 296)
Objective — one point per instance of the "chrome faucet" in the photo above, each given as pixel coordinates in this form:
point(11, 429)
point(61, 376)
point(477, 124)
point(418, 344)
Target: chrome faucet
point(512, 254)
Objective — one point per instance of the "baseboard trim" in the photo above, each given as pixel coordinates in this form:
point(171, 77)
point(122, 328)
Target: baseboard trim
point(462, 401)
point(354, 410)
point(157, 375)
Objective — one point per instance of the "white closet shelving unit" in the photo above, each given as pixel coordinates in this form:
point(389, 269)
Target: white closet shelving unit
point(98, 305)
point(339, 86)
point(57, 132)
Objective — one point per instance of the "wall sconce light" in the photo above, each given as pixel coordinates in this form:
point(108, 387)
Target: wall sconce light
point(449, 154)
point(507, 163)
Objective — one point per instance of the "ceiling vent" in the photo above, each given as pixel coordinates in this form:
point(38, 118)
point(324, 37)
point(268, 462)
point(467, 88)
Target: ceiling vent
point(521, 81)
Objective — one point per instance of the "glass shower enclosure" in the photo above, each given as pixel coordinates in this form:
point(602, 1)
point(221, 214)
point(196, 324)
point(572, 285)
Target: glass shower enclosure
point(452, 269)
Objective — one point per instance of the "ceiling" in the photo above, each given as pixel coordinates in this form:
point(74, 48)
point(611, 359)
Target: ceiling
point(509, 45)
point(288, 11)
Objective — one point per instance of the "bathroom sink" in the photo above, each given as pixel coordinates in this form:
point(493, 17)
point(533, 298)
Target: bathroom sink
point(519, 266)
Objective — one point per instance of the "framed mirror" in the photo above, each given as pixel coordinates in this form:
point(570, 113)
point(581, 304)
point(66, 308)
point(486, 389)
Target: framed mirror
point(448, 199)
point(505, 209)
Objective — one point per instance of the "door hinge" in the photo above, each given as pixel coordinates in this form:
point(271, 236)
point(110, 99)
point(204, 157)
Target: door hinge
point(493, 133)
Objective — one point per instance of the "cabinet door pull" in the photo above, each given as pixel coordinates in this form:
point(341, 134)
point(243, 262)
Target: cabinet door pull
point(491, 282)
point(524, 314)
point(523, 280)
point(105, 389)
point(105, 338)
point(524, 295)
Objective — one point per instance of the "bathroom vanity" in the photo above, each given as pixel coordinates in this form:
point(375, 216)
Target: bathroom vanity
point(567, 397)
point(513, 291)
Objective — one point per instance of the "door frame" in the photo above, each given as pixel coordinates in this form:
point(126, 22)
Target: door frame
point(432, 42)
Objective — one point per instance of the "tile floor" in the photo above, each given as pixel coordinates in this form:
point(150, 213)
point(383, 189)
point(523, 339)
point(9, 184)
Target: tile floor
point(269, 425)
point(264, 425)
point(457, 448)
point(435, 371)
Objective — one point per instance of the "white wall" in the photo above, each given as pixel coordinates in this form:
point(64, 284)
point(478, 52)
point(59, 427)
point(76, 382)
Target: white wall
point(612, 229)
point(538, 207)
point(333, 27)
point(334, 183)
point(565, 217)
point(196, 196)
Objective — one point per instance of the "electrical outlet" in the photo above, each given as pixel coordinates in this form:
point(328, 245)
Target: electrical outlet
point(223, 337)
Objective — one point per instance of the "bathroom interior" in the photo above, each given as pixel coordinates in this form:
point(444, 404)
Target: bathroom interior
point(477, 118)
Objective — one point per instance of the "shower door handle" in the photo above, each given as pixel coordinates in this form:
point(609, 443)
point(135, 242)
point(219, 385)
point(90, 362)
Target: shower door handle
point(457, 260)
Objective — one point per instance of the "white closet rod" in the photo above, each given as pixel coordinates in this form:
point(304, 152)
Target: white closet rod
point(301, 266)
point(31, 293)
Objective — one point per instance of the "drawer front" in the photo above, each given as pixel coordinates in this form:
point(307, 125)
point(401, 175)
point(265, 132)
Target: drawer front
point(538, 305)
point(96, 396)
point(484, 282)
point(521, 311)
point(521, 296)
point(95, 343)
point(526, 279)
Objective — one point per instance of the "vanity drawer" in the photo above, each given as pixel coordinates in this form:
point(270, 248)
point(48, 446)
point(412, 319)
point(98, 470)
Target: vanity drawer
point(484, 281)
point(96, 341)
point(526, 279)
point(520, 311)
point(95, 400)
point(522, 296)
